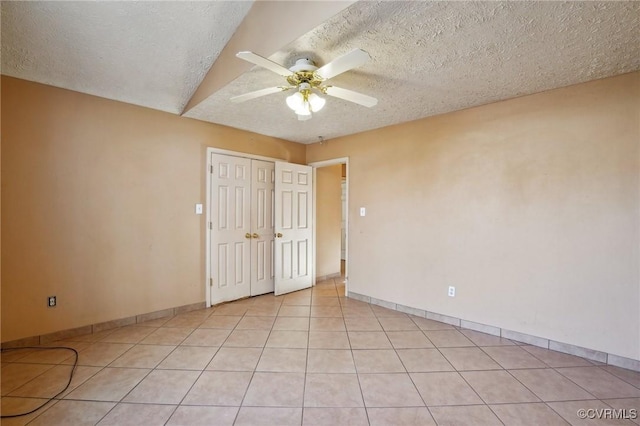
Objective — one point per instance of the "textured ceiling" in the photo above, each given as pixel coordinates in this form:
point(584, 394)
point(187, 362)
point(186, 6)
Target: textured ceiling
point(427, 57)
point(153, 54)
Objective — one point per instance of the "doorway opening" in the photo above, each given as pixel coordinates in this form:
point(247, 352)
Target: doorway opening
point(331, 197)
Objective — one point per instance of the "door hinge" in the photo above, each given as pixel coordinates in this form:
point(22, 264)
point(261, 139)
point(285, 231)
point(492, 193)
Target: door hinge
point(210, 225)
point(210, 282)
point(211, 169)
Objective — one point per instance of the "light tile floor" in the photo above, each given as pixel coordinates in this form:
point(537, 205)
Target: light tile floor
point(309, 358)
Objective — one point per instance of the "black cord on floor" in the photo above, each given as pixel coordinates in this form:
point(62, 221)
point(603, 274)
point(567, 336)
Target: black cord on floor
point(73, 369)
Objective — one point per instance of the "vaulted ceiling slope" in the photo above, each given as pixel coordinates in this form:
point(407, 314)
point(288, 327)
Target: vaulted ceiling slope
point(427, 58)
point(148, 53)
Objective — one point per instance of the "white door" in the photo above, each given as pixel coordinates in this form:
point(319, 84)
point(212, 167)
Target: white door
point(231, 228)
point(293, 227)
point(262, 229)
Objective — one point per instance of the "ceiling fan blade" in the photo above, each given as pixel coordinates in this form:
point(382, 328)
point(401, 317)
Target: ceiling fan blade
point(264, 63)
point(351, 60)
point(351, 96)
point(258, 93)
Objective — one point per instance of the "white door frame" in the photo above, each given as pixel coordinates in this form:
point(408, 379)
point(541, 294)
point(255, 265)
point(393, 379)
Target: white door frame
point(208, 278)
point(316, 165)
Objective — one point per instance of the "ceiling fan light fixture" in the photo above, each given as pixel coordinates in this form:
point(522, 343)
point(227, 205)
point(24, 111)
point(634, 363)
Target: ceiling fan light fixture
point(304, 109)
point(295, 101)
point(316, 102)
point(304, 102)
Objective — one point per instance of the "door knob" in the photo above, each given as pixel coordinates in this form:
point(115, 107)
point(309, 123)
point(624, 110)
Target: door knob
point(247, 235)
point(255, 235)
point(279, 235)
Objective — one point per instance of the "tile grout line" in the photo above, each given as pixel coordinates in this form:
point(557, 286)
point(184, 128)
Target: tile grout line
point(306, 364)
point(179, 404)
point(149, 373)
point(364, 403)
point(379, 321)
point(414, 385)
point(602, 367)
point(257, 362)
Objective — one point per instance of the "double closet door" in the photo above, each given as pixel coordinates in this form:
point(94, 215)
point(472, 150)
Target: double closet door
point(261, 227)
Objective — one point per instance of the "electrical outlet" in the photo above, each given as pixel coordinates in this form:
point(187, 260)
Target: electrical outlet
point(51, 301)
point(452, 291)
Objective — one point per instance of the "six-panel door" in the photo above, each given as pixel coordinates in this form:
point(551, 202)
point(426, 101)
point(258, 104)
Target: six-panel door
point(293, 226)
point(231, 228)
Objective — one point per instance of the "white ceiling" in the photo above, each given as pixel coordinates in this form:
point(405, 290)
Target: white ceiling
point(153, 54)
point(427, 57)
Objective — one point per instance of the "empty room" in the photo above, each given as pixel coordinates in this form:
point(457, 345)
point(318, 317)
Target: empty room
point(320, 213)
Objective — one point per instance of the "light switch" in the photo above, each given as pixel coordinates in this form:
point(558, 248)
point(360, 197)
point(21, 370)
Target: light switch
point(198, 208)
point(363, 211)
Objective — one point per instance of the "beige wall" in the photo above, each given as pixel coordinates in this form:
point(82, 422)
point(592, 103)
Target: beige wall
point(328, 219)
point(98, 206)
point(529, 207)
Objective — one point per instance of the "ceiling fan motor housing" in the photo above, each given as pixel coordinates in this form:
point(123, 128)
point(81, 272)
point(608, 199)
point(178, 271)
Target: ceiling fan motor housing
point(304, 72)
point(303, 64)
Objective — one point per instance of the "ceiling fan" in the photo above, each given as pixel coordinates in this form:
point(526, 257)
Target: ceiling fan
point(307, 79)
